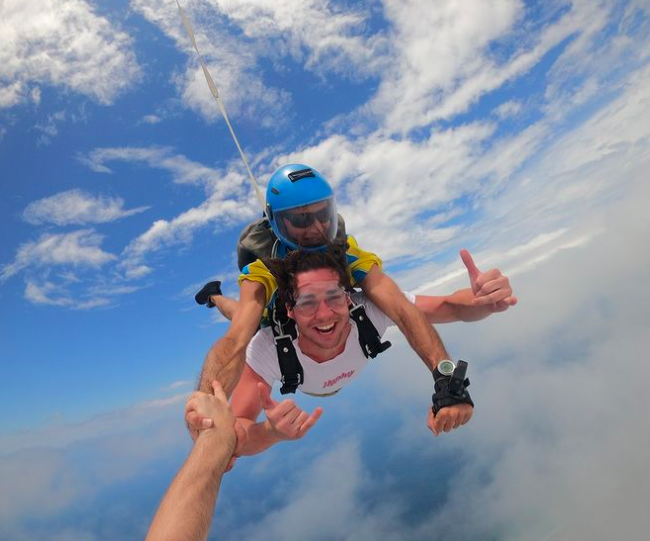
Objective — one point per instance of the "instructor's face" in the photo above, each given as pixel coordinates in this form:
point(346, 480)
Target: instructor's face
point(315, 234)
point(326, 330)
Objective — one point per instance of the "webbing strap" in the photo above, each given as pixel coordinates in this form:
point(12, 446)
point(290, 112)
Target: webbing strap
point(284, 332)
point(369, 338)
point(215, 93)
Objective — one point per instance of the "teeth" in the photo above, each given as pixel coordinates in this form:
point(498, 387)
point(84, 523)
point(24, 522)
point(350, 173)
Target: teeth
point(326, 328)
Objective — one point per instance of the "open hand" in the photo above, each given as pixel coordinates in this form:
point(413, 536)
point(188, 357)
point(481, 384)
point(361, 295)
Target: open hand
point(449, 418)
point(491, 288)
point(287, 420)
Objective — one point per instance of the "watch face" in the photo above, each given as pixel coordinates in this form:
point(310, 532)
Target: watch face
point(446, 367)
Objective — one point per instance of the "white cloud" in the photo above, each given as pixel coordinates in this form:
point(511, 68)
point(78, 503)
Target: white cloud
point(110, 424)
point(545, 435)
point(445, 58)
point(61, 43)
point(79, 249)
point(230, 199)
point(402, 195)
point(71, 463)
point(323, 38)
point(439, 65)
point(508, 109)
point(165, 233)
point(178, 384)
point(77, 207)
point(49, 293)
point(151, 119)
point(398, 193)
point(231, 61)
point(182, 169)
point(48, 489)
point(49, 129)
point(333, 480)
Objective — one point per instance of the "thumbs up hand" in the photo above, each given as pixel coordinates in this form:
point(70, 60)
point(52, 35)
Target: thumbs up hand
point(491, 289)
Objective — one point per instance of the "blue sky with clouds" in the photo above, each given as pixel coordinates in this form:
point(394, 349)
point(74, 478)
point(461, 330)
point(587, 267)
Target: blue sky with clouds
point(518, 130)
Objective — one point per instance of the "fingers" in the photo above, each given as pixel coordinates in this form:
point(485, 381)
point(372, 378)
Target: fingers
point(431, 423)
point(218, 392)
point(197, 422)
point(264, 392)
point(290, 421)
point(493, 287)
point(449, 418)
point(289, 411)
point(502, 306)
point(310, 421)
point(472, 269)
point(444, 421)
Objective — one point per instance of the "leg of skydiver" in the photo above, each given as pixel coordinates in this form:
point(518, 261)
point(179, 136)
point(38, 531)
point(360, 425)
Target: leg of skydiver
point(226, 305)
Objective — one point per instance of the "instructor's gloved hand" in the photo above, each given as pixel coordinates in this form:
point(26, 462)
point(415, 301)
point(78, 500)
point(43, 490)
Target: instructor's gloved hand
point(286, 420)
point(449, 418)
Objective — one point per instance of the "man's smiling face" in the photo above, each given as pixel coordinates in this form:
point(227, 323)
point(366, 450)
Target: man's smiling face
point(324, 332)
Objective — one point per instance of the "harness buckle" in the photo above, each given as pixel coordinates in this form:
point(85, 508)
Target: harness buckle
point(285, 338)
point(356, 308)
point(292, 380)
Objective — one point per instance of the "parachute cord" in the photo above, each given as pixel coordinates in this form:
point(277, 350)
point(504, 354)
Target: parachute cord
point(215, 93)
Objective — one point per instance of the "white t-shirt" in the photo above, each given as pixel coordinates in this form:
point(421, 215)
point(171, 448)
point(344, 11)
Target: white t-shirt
point(320, 378)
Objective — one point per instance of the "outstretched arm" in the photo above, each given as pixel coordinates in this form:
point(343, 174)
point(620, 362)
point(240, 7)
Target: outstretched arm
point(422, 337)
point(225, 360)
point(490, 292)
point(187, 508)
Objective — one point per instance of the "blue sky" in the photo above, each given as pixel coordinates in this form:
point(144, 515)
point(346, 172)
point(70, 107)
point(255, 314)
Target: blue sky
point(518, 130)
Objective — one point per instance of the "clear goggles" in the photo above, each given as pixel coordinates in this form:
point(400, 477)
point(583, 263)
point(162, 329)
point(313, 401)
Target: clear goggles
point(308, 300)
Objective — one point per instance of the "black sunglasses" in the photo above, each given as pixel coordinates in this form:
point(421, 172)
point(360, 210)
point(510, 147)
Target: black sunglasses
point(305, 219)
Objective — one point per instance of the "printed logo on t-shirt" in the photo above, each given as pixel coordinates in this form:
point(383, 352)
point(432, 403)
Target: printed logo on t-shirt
point(334, 381)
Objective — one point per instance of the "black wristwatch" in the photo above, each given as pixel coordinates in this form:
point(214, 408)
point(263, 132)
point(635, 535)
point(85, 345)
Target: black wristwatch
point(450, 385)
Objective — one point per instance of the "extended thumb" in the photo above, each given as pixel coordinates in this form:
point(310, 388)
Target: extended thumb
point(265, 396)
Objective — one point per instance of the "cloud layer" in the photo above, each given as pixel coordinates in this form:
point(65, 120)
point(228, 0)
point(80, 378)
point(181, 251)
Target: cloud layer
point(77, 207)
point(62, 43)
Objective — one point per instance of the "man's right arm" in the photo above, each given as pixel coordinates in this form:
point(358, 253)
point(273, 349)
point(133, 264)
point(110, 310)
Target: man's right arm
point(226, 358)
point(284, 420)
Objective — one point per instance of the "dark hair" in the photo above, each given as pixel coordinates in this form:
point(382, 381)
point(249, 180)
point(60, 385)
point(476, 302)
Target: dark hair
point(286, 270)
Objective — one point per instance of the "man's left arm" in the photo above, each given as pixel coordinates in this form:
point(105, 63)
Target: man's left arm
point(421, 336)
point(489, 292)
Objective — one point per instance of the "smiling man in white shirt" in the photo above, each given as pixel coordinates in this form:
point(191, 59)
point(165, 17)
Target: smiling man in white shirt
point(315, 288)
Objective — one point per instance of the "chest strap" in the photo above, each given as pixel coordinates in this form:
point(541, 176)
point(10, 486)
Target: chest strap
point(369, 338)
point(284, 332)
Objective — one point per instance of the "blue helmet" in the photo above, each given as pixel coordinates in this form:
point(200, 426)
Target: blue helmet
point(301, 208)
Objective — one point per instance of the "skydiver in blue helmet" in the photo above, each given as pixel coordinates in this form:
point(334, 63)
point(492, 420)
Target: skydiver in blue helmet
point(301, 214)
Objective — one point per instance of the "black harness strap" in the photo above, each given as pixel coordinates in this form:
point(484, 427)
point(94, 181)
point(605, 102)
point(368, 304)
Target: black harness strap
point(369, 338)
point(284, 332)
